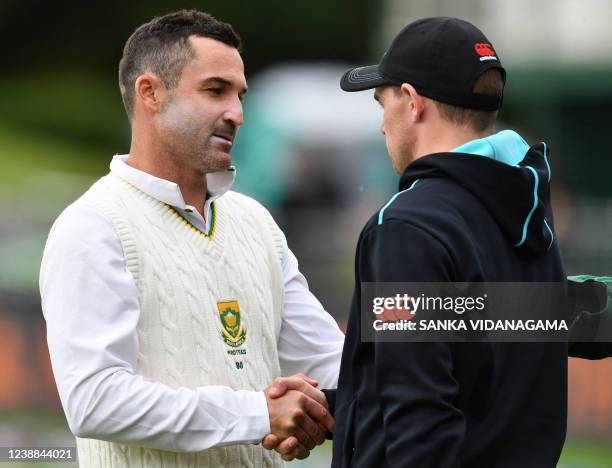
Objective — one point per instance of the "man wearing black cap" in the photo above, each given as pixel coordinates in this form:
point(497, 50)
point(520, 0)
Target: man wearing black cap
point(472, 206)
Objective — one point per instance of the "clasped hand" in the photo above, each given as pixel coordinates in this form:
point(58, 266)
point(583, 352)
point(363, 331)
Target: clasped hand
point(299, 416)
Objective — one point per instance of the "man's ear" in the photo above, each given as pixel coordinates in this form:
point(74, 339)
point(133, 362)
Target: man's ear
point(416, 101)
point(149, 92)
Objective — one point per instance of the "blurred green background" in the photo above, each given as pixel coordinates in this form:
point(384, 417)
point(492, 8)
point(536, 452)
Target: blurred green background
point(309, 152)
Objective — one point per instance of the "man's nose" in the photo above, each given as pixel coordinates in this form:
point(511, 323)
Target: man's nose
point(234, 114)
point(381, 129)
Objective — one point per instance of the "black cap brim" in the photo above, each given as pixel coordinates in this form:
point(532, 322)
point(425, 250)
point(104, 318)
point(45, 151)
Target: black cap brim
point(362, 78)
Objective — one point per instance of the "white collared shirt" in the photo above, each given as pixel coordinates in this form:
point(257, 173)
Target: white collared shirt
point(168, 192)
point(90, 303)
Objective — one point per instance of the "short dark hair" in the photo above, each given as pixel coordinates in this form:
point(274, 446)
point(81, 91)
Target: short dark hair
point(490, 83)
point(161, 46)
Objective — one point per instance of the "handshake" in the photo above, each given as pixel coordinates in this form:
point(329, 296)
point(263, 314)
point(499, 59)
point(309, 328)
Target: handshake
point(299, 416)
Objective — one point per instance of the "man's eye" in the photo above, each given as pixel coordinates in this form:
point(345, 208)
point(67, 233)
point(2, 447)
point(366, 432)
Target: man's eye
point(216, 91)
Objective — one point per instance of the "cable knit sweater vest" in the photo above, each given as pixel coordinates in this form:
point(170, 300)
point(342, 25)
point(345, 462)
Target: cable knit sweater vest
point(210, 308)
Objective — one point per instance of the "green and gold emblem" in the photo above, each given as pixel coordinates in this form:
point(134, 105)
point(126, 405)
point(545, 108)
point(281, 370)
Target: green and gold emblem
point(233, 333)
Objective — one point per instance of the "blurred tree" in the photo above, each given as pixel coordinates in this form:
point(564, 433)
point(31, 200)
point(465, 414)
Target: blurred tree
point(91, 34)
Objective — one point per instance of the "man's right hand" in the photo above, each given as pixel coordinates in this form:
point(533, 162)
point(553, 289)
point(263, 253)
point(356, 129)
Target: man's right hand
point(300, 412)
point(299, 416)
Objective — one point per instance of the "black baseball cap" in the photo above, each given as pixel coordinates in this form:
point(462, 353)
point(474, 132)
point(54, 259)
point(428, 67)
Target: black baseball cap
point(441, 57)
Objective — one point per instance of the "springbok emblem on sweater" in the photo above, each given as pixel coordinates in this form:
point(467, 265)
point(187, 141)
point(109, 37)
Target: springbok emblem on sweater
point(233, 333)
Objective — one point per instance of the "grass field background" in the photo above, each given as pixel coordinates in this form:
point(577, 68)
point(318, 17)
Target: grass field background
point(50, 429)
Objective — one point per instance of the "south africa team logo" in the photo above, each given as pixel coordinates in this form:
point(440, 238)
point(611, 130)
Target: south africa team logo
point(233, 333)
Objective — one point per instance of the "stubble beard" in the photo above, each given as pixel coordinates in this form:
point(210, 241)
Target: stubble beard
point(405, 154)
point(209, 159)
point(190, 143)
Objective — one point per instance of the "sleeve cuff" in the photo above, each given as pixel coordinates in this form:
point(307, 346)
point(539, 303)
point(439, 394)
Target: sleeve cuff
point(254, 423)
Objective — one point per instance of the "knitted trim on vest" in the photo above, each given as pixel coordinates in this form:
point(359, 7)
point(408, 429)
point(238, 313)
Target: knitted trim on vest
point(213, 220)
point(123, 230)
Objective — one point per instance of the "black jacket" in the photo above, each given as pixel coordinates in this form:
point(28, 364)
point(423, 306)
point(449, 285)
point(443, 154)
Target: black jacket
point(457, 217)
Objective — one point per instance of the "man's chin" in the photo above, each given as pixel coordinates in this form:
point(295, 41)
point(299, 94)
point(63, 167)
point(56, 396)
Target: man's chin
point(225, 159)
point(220, 161)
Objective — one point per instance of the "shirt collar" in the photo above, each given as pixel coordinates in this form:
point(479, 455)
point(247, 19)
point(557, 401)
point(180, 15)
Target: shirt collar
point(168, 192)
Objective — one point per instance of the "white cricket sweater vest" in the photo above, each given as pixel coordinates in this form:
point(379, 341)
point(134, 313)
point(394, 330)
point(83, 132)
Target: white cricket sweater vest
point(187, 282)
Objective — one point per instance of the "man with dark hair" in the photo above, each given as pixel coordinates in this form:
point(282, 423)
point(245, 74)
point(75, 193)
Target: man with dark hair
point(472, 207)
point(162, 47)
point(171, 302)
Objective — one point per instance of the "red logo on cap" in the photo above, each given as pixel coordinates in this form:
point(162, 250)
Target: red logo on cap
point(483, 49)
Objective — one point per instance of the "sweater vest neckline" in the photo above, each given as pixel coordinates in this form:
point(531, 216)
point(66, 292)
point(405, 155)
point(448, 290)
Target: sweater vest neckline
point(173, 218)
point(211, 230)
